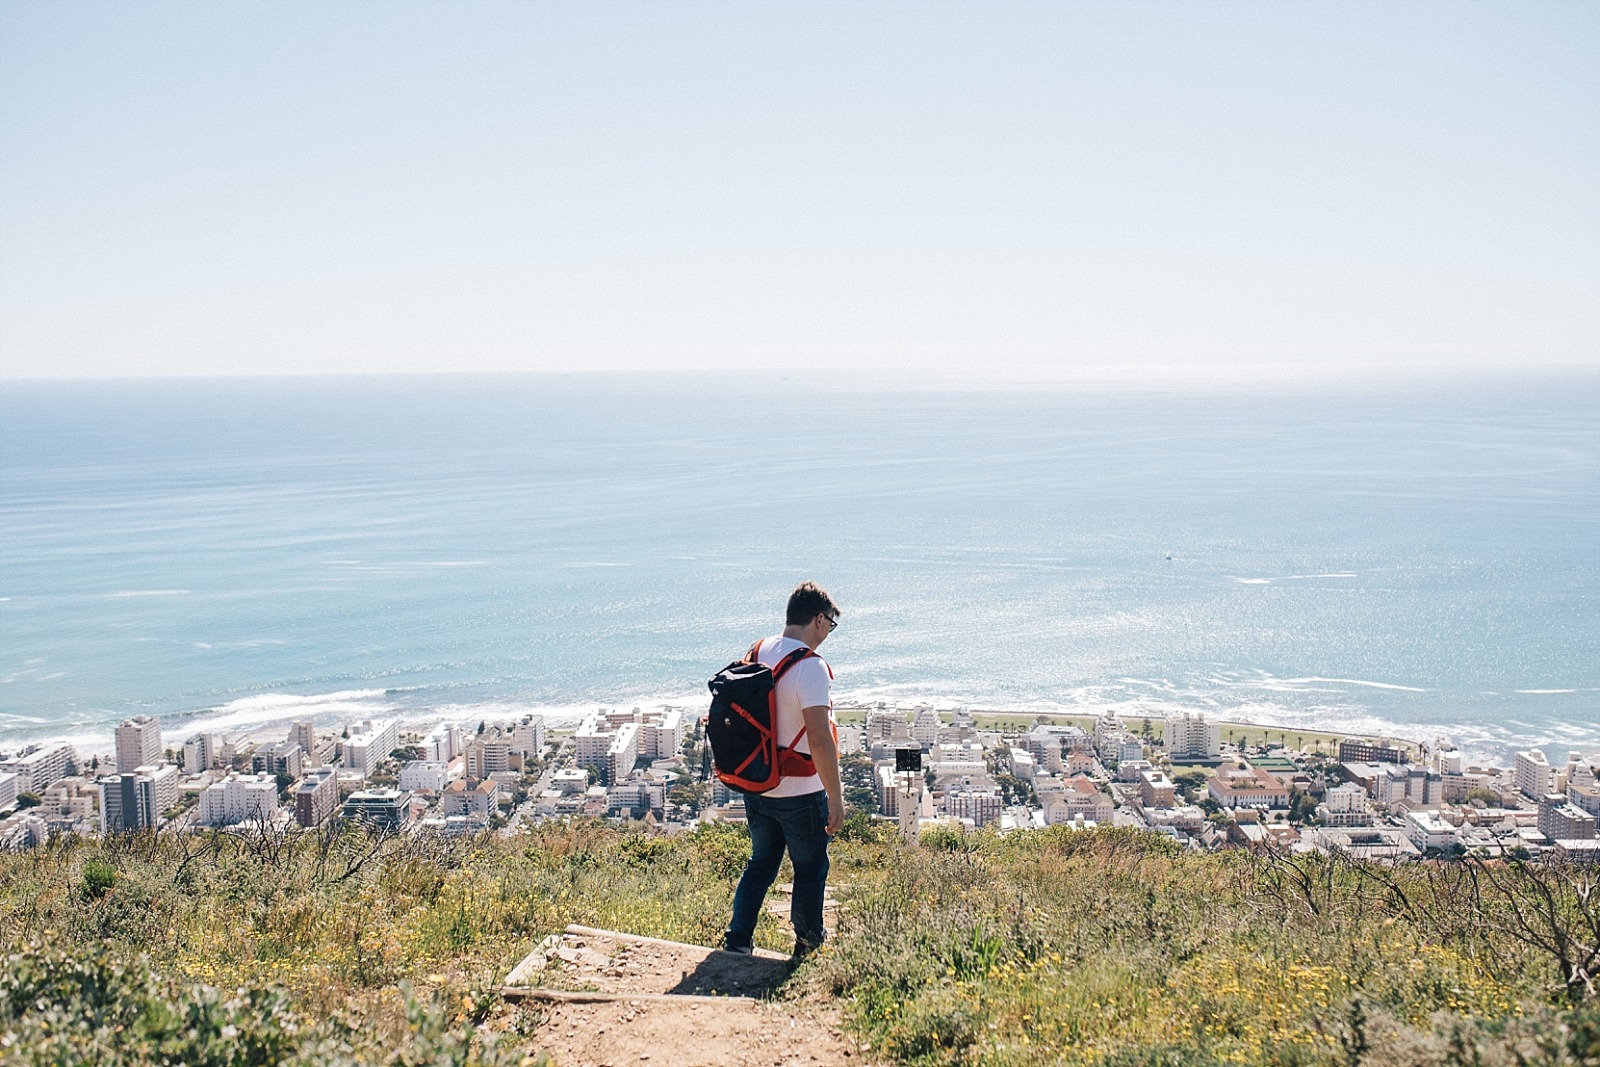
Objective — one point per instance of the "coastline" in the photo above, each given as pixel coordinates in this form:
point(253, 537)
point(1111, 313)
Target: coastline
point(335, 710)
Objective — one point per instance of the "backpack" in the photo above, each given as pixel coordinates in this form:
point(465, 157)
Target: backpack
point(743, 722)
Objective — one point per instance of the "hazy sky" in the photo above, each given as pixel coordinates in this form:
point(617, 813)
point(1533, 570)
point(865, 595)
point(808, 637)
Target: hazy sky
point(968, 188)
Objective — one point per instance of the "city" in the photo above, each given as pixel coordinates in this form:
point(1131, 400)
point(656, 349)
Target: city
point(916, 768)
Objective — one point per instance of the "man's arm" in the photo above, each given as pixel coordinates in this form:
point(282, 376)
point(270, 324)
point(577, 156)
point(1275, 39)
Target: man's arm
point(825, 754)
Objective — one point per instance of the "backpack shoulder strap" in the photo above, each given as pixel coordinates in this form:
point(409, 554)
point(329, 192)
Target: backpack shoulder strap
point(755, 651)
point(789, 661)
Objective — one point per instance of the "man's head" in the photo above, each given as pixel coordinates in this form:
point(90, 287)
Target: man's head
point(812, 609)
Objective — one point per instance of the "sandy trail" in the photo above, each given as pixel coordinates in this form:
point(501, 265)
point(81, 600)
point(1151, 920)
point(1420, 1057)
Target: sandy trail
point(611, 999)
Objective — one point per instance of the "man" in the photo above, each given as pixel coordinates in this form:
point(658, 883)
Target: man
point(800, 813)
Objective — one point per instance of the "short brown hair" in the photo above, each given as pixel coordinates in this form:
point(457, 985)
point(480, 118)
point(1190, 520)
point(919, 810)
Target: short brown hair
point(807, 602)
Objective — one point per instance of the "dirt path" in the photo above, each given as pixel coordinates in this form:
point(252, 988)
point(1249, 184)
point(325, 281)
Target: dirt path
point(611, 999)
point(735, 1034)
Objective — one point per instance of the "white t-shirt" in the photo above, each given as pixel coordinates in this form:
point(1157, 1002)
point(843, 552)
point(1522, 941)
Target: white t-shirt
point(805, 685)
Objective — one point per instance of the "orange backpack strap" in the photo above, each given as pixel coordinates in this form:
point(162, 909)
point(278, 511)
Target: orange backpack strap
point(795, 764)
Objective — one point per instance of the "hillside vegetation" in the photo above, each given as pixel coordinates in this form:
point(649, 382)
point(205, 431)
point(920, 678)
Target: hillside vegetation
point(1101, 947)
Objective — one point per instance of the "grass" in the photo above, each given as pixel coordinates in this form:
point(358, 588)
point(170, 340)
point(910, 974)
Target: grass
point(1044, 947)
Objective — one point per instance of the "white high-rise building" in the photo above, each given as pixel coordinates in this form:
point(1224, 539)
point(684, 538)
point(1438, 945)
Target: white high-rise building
point(1190, 736)
point(239, 798)
point(622, 753)
point(304, 734)
point(371, 745)
point(424, 776)
point(201, 752)
point(135, 800)
point(443, 743)
point(138, 743)
point(591, 743)
point(1534, 777)
point(529, 736)
point(39, 765)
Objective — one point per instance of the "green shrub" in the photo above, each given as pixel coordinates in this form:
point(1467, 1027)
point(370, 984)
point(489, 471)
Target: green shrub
point(99, 877)
point(92, 1010)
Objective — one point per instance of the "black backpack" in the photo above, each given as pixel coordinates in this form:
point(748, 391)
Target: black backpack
point(742, 725)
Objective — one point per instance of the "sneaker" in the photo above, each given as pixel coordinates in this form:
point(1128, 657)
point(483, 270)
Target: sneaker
point(740, 950)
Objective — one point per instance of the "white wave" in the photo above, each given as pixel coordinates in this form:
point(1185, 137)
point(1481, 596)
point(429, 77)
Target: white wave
point(1358, 681)
point(590, 564)
point(143, 592)
point(1539, 692)
point(1293, 578)
point(265, 642)
point(270, 708)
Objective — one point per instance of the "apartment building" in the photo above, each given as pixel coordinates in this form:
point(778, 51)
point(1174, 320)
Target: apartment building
point(491, 752)
point(444, 742)
point(925, 727)
point(279, 757)
point(529, 735)
point(304, 734)
point(137, 799)
point(1429, 830)
point(201, 753)
point(386, 809)
point(1561, 820)
point(238, 798)
point(1354, 751)
point(316, 796)
point(424, 776)
point(38, 765)
point(1533, 776)
point(977, 806)
point(1156, 790)
point(370, 745)
point(1346, 805)
point(138, 743)
point(1191, 736)
point(477, 798)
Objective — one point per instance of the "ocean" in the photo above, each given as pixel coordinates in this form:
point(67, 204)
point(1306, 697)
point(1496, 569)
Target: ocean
point(1419, 561)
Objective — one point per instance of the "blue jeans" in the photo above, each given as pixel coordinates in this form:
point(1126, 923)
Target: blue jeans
point(799, 824)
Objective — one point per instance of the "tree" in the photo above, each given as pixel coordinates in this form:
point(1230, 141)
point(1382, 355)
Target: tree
point(28, 800)
point(1015, 790)
point(1302, 807)
point(692, 796)
point(856, 775)
point(1192, 783)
